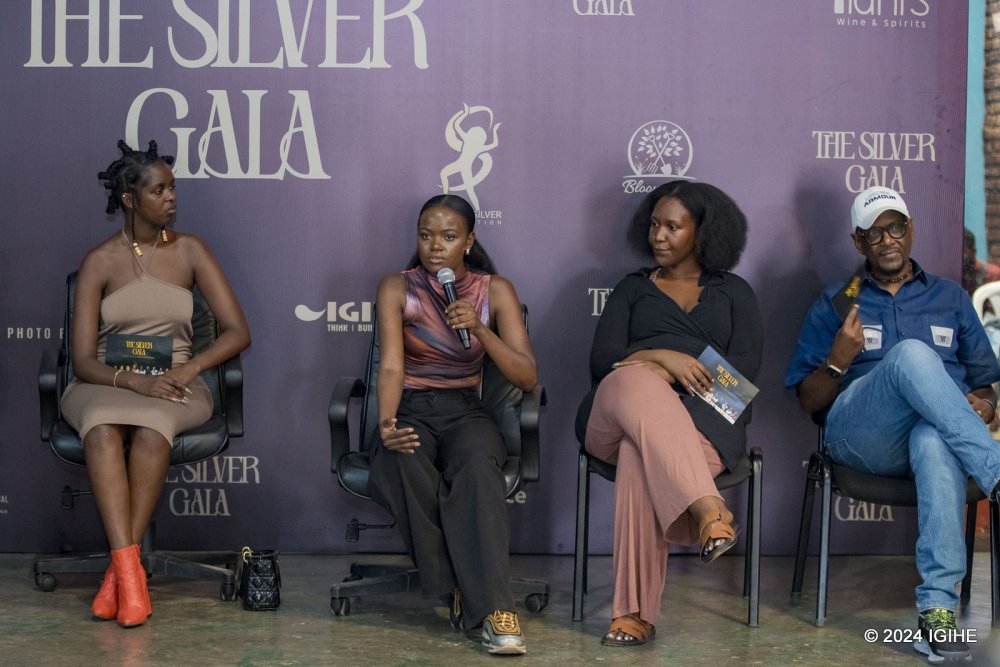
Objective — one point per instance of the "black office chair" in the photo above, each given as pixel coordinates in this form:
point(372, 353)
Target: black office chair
point(191, 446)
point(901, 492)
point(750, 468)
point(515, 412)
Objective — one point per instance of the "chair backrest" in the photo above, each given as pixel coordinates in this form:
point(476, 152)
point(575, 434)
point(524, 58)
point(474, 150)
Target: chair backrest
point(987, 293)
point(195, 444)
point(501, 400)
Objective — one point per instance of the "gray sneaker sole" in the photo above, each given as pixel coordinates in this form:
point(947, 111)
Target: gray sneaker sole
point(507, 644)
point(937, 658)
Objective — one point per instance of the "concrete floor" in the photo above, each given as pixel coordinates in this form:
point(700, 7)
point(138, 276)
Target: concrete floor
point(703, 623)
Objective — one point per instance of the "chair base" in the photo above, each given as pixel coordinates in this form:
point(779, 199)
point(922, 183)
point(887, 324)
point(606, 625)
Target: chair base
point(366, 580)
point(820, 474)
point(751, 469)
point(209, 566)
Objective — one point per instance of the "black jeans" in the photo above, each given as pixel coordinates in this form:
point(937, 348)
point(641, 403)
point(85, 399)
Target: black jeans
point(448, 498)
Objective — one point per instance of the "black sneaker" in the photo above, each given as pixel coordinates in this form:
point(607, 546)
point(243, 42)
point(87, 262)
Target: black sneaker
point(939, 638)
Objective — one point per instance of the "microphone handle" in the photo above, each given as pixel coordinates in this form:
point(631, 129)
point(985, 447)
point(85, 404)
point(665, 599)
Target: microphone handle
point(452, 296)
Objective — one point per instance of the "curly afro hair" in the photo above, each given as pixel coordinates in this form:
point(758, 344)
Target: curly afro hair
point(721, 225)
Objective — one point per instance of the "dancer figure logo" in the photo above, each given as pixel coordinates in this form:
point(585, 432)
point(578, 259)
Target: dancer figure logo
point(468, 133)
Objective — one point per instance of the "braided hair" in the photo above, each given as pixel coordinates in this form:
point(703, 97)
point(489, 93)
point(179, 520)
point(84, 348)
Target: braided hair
point(126, 174)
point(477, 259)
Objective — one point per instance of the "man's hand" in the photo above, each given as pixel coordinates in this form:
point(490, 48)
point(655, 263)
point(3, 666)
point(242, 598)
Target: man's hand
point(982, 407)
point(848, 342)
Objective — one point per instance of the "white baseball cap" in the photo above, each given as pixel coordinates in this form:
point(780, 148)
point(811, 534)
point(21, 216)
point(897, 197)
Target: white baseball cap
point(872, 203)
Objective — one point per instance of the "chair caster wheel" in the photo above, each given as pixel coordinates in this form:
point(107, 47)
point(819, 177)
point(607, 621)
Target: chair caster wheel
point(340, 606)
point(227, 592)
point(536, 602)
point(45, 581)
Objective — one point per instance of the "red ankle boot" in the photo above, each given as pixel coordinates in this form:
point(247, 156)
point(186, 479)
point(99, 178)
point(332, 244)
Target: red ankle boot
point(133, 596)
point(149, 605)
point(105, 604)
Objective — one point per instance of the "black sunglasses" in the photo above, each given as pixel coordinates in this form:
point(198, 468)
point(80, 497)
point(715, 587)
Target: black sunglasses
point(896, 229)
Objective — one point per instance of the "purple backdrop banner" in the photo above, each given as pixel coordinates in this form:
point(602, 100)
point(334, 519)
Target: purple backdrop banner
point(308, 133)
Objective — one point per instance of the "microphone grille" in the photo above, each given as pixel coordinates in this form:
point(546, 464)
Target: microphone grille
point(446, 275)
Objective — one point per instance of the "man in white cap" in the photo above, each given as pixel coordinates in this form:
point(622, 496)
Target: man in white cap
point(898, 362)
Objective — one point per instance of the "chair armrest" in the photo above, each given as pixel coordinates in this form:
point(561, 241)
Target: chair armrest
point(232, 396)
point(531, 404)
point(48, 389)
point(340, 430)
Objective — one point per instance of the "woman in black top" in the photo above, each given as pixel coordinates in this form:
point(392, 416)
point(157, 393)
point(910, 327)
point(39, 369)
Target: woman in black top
point(644, 415)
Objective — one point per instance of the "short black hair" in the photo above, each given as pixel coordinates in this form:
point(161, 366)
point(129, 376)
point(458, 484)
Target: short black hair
point(127, 173)
point(721, 225)
point(477, 258)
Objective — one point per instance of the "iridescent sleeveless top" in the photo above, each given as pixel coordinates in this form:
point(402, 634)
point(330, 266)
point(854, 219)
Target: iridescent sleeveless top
point(433, 355)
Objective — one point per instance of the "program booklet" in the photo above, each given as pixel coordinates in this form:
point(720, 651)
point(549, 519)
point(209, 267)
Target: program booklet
point(731, 392)
point(146, 355)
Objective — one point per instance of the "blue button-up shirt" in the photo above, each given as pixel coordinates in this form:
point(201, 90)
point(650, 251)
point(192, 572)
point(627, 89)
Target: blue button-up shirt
point(928, 308)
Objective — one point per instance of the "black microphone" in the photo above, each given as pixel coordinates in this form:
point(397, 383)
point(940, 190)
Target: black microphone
point(447, 279)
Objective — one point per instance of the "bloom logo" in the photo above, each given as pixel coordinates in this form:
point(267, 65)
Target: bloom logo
point(657, 150)
point(347, 317)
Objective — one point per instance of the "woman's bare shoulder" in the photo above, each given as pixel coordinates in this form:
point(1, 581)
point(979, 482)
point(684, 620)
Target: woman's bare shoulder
point(105, 256)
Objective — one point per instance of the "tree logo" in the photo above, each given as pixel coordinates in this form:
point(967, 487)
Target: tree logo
point(657, 150)
point(660, 148)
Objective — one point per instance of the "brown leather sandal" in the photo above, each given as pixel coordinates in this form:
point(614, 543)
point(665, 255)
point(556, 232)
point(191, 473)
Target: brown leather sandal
point(717, 537)
point(635, 632)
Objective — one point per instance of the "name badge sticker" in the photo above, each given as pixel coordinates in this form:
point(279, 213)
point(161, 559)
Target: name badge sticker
point(873, 336)
point(942, 336)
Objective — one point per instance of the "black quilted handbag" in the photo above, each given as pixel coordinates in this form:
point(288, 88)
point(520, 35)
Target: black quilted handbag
point(260, 580)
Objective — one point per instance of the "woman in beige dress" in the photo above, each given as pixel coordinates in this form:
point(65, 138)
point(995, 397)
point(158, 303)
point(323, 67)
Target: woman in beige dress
point(138, 282)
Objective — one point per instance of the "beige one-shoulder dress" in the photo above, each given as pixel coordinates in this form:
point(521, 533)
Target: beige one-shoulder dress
point(146, 306)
